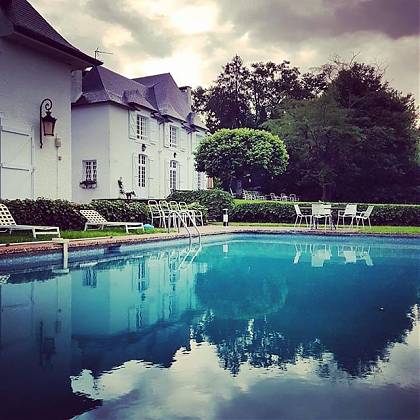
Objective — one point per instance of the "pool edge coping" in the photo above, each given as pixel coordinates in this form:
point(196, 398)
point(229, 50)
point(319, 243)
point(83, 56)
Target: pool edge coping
point(36, 248)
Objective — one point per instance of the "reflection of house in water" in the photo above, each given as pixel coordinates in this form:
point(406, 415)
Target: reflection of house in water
point(96, 317)
point(35, 349)
point(132, 309)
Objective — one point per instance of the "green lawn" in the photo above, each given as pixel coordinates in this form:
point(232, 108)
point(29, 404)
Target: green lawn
point(5, 238)
point(405, 230)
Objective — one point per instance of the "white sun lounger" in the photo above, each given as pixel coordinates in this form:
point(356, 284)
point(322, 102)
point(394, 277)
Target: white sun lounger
point(95, 219)
point(7, 223)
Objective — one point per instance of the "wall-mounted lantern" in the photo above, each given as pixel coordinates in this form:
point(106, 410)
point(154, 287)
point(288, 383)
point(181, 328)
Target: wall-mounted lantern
point(46, 122)
point(143, 147)
point(175, 155)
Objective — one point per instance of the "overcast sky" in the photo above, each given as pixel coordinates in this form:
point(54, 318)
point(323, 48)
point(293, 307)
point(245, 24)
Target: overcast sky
point(192, 39)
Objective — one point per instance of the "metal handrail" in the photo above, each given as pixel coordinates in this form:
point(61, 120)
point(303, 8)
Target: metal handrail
point(171, 213)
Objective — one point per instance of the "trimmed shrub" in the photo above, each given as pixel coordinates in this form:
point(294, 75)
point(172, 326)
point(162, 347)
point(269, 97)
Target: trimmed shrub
point(66, 216)
point(121, 210)
point(214, 200)
point(282, 212)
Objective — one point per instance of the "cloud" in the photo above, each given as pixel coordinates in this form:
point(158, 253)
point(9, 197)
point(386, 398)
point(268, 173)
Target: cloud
point(148, 33)
point(276, 21)
point(192, 39)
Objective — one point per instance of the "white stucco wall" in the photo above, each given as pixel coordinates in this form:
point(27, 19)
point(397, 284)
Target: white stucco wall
point(90, 141)
point(90, 132)
point(26, 78)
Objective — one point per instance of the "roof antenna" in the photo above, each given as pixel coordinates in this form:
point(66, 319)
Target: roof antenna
point(98, 52)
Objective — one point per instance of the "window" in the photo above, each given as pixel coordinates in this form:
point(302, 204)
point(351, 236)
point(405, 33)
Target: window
point(173, 175)
point(89, 170)
point(142, 127)
point(173, 136)
point(142, 171)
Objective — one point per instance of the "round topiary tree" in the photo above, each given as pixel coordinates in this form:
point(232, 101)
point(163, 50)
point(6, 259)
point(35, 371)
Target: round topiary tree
point(233, 155)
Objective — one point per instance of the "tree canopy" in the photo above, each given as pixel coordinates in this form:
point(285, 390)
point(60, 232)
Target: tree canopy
point(232, 155)
point(357, 141)
point(350, 135)
point(244, 96)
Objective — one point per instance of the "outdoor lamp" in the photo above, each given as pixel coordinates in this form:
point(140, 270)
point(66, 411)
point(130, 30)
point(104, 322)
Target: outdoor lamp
point(143, 147)
point(47, 122)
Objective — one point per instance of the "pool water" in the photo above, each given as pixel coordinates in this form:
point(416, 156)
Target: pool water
point(239, 327)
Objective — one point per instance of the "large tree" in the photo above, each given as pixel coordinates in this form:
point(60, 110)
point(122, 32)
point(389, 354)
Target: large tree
point(247, 96)
point(370, 151)
point(319, 138)
point(235, 155)
point(386, 158)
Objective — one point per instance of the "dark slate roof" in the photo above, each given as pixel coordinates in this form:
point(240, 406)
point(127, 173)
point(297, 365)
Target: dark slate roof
point(157, 93)
point(103, 85)
point(27, 21)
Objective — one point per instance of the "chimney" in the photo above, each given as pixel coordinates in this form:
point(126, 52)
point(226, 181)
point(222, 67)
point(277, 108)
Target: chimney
point(76, 85)
point(186, 90)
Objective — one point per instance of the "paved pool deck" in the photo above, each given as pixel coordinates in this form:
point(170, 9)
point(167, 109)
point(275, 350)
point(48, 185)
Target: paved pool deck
point(7, 250)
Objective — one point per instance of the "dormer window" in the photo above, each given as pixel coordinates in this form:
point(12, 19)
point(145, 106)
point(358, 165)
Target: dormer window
point(173, 136)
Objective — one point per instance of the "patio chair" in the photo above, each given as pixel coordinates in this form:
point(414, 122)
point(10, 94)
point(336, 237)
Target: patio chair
point(364, 215)
point(196, 214)
point(274, 197)
point(293, 197)
point(349, 212)
point(156, 213)
point(7, 223)
point(300, 216)
point(95, 219)
point(284, 197)
point(321, 211)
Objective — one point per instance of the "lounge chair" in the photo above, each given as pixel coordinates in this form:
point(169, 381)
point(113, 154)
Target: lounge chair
point(7, 223)
point(349, 212)
point(364, 215)
point(95, 219)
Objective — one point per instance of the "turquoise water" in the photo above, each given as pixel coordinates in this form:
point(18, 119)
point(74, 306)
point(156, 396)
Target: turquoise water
point(244, 327)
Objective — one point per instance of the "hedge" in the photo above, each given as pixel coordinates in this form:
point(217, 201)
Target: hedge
point(214, 200)
point(66, 216)
point(282, 212)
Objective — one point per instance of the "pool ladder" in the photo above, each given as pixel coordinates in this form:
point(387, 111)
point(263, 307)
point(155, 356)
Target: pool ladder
point(178, 218)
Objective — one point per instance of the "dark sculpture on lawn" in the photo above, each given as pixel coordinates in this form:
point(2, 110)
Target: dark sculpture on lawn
point(128, 195)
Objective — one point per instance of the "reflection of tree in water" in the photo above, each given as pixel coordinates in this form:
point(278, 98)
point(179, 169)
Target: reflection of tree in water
point(260, 318)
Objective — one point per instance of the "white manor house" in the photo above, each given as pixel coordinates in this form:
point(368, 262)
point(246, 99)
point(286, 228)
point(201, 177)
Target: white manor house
point(72, 129)
point(140, 131)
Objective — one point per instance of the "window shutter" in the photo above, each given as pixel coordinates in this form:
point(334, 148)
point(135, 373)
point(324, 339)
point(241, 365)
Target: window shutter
point(166, 134)
point(135, 181)
point(181, 177)
point(183, 139)
point(153, 130)
point(132, 124)
point(166, 188)
point(150, 163)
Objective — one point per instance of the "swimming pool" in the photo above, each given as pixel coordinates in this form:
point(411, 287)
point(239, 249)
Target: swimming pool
point(244, 326)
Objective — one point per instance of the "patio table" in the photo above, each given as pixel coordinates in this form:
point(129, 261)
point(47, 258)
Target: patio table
point(334, 211)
